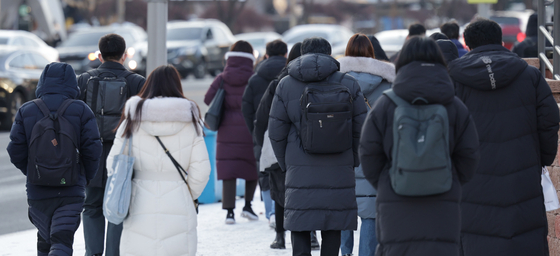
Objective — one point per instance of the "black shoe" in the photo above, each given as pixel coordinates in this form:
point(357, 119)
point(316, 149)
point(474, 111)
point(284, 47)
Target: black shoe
point(249, 213)
point(230, 218)
point(279, 242)
point(314, 243)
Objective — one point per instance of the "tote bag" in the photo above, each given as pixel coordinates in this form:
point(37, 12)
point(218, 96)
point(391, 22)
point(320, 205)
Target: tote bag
point(213, 117)
point(268, 158)
point(116, 200)
point(549, 192)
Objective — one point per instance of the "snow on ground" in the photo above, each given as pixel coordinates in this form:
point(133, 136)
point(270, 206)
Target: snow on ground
point(215, 238)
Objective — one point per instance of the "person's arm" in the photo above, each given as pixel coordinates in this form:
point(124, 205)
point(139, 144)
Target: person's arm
point(140, 81)
point(212, 90)
point(90, 143)
point(17, 148)
point(279, 125)
point(548, 118)
point(466, 155)
point(82, 84)
point(359, 115)
point(262, 114)
point(116, 148)
point(247, 104)
point(199, 168)
point(371, 151)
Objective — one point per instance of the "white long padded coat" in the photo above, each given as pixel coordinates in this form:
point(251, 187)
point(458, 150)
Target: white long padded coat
point(162, 217)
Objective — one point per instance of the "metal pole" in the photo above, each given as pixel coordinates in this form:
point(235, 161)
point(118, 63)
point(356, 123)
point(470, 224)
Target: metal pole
point(157, 34)
point(556, 31)
point(484, 10)
point(121, 6)
point(541, 40)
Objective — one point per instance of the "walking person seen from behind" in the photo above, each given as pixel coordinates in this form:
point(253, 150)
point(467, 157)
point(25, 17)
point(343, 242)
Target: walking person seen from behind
point(517, 121)
point(234, 146)
point(412, 220)
point(105, 90)
point(55, 194)
point(314, 127)
point(162, 211)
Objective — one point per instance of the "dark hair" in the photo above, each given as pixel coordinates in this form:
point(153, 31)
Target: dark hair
point(437, 36)
point(294, 52)
point(483, 32)
point(379, 52)
point(315, 45)
point(163, 81)
point(276, 48)
point(419, 48)
point(416, 29)
point(242, 46)
point(450, 29)
point(112, 47)
point(359, 46)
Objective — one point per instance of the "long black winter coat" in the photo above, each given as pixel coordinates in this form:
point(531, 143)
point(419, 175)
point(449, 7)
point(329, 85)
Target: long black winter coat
point(319, 187)
point(517, 122)
point(263, 111)
point(267, 71)
point(134, 82)
point(57, 83)
point(419, 226)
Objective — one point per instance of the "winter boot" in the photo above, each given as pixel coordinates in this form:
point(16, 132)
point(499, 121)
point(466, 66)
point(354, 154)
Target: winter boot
point(279, 242)
point(230, 217)
point(249, 213)
point(314, 243)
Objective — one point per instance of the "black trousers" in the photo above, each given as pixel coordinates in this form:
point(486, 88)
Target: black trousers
point(301, 243)
point(279, 216)
point(228, 192)
point(94, 225)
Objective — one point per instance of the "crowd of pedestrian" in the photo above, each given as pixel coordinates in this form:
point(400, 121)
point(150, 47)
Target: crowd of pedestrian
point(438, 150)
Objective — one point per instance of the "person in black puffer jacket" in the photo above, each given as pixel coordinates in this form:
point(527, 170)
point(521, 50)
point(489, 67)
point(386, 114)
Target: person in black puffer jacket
point(529, 47)
point(55, 211)
point(517, 121)
point(319, 187)
point(422, 225)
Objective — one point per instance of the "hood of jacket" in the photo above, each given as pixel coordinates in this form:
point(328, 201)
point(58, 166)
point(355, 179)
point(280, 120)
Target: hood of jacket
point(449, 50)
point(312, 67)
point(487, 67)
point(426, 80)
point(271, 67)
point(385, 70)
point(238, 69)
point(532, 26)
point(162, 116)
point(58, 78)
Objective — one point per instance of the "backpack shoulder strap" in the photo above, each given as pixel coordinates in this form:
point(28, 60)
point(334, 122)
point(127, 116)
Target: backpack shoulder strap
point(42, 106)
point(396, 99)
point(63, 107)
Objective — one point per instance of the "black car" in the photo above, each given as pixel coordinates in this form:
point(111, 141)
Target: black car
point(20, 70)
point(196, 47)
point(81, 48)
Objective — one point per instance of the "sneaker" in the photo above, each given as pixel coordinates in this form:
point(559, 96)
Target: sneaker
point(230, 219)
point(314, 243)
point(272, 221)
point(249, 213)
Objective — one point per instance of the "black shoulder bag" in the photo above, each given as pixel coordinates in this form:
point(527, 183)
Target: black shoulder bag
point(213, 116)
point(180, 170)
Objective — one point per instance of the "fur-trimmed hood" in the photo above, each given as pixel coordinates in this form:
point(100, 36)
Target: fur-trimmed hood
point(163, 115)
point(368, 65)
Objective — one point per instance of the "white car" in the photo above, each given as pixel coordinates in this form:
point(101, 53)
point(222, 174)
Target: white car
point(337, 35)
point(258, 40)
point(392, 40)
point(28, 40)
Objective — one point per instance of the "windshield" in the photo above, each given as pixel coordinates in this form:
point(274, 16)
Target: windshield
point(391, 39)
point(4, 40)
point(84, 39)
point(300, 36)
point(176, 34)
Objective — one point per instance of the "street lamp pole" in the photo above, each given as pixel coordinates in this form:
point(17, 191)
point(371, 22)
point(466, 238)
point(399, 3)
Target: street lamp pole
point(157, 34)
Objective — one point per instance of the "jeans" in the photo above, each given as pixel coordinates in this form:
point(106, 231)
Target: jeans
point(94, 225)
point(368, 238)
point(268, 203)
point(346, 241)
point(301, 243)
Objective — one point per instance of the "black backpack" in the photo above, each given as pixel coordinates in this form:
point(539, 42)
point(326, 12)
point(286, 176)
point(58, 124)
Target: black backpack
point(54, 155)
point(326, 122)
point(106, 96)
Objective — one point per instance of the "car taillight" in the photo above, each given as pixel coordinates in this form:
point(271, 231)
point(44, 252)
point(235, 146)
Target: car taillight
point(521, 36)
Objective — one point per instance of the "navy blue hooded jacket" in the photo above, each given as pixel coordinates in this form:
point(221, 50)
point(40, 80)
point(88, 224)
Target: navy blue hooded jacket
point(57, 83)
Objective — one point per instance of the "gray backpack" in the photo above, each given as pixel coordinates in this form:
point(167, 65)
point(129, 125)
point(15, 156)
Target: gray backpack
point(421, 164)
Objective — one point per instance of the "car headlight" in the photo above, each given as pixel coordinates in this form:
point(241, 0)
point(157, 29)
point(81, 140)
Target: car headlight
point(130, 52)
point(92, 56)
point(132, 64)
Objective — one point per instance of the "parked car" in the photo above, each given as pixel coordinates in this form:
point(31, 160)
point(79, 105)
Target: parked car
point(81, 48)
point(21, 38)
point(20, 70)
point(259, 40)
point(392, 40)
point(336, 35)
point(195, 47)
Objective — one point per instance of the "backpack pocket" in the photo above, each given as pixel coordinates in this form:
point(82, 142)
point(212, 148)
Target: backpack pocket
point(58, 174)
point(329, 132)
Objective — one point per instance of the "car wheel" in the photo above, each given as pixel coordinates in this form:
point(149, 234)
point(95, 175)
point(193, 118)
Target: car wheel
point(215, 72)
point(199, 70)
point(16, 100)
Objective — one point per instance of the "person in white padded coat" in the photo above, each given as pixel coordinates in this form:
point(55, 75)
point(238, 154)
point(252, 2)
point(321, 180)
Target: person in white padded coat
point(162, 218)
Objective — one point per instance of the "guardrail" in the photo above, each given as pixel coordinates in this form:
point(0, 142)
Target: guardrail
point(544, 36)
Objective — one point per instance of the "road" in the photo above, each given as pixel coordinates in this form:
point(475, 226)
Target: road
point(13, 201)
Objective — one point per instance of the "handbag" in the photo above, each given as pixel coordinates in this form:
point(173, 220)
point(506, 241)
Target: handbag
point(213, 116)
point(549, 192)
point(181, 171)
point(116, 199)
